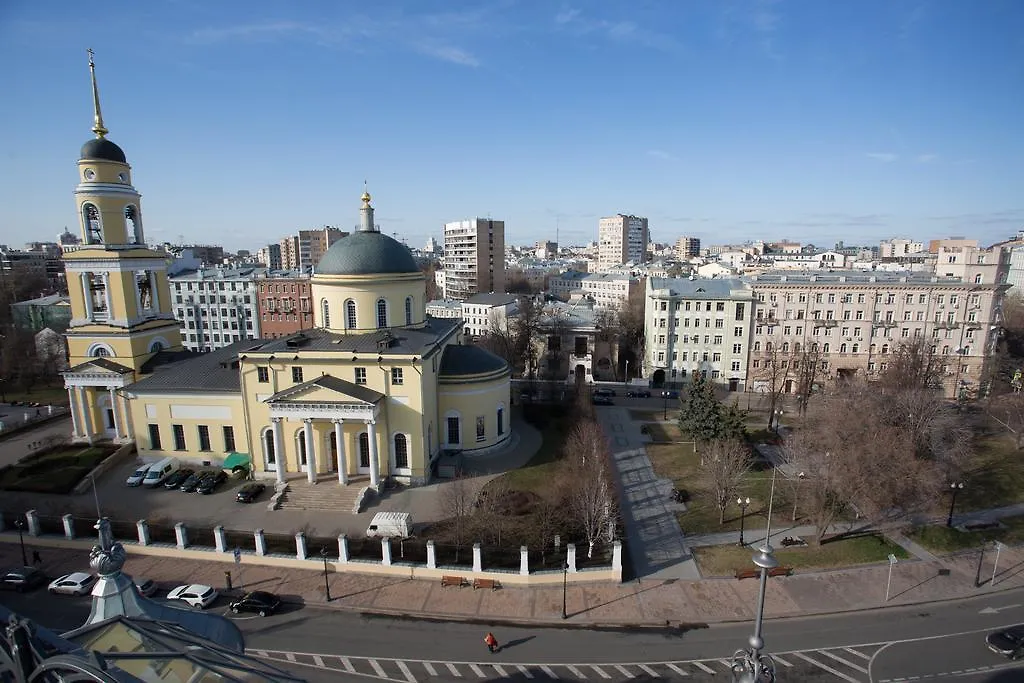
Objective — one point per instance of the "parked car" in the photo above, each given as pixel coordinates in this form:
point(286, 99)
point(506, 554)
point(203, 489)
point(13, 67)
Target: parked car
point(250, 492)
point(260, 602)
point(22, 579)
point(159, 471)
point(638, 393)
point(1008, 642)
point(137, 476)
point(146, 587)
point(604, 392)
point(76, 583)
point(211, 482)
point(190, 484)
point(195, 595)
point(178, 478)
point(669, 393)
point(602, 400)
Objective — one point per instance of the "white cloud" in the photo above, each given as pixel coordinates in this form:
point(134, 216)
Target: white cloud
point(926, 158)
point(884, 157)
point(450, 53)
point(661, 154)
point(573, 21)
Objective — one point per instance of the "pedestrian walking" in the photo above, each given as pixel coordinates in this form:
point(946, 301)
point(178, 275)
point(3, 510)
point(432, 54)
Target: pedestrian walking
point(492, 642)
point(36, 557)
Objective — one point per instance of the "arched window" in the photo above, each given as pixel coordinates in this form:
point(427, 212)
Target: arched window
point(796, 347)
point(977, 279)
point(132, 225)
point(757, 346)
point(842, 348)
point(382, 313)
point(156, 346)
point(325, 312)
point(401, 452)
point(300, 446)
point(100, 352)
point(873, 349)
point(767, 347)
point(93, 226)
point(856, 348)
point(364, 449)
point(269, 452)
point(408, 310)
point(350, 314)
point(814, 347)
point(824, 349)
point(885, 348)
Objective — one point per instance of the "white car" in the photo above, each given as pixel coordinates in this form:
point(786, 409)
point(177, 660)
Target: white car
point(146, 587)
point(196, 595)
point(77, 583)
point(137, 476)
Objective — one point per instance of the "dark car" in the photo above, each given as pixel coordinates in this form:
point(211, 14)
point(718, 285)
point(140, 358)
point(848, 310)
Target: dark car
point(177, 479)
point(604, 392)
point(638, 393)
point(210, 482)
point(1008, 643)
point(190, 484)
point(602, 400)
point(260, 602)
point(250, 492)
point(669, 394)
point(22, 579)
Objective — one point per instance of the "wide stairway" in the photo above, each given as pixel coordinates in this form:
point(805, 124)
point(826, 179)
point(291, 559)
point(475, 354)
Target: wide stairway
point(327, 494)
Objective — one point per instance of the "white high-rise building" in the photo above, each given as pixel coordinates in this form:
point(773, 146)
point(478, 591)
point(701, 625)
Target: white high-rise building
point(474, 258)
point(621, 239)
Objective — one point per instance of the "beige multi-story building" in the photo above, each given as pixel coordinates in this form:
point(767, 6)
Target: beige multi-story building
point(307, 247)
point(606, 290)
point(854, 321)
point(698, 326)
point(474, 258)
point(899, 247)
point(687, 247)
point(964, 259)
point(621, 239)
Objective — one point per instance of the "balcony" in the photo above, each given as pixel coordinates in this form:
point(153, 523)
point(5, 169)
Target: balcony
point(67, 248)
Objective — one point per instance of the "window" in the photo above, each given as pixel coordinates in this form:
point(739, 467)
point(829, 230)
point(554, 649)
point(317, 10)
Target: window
point(229, 438)
point(262, 375)
point(382, 313)
point(737, 348)
point(454, 437)
point(360, 375)
point(296, 374)
point(401, 452)
point(408, 310)
point(204, 438)
point(179, 437)
point(350, 314)
point(481, 429)
point(735, 366)
point(268, 446)
point(154, 437)
point(396, 375)
point(501, 421)
point(325, 312)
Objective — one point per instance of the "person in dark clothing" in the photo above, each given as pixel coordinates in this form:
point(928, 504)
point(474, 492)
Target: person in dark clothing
point(36, 557)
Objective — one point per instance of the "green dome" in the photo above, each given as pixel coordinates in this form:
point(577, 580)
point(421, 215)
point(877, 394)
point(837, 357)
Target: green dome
point(367, 253)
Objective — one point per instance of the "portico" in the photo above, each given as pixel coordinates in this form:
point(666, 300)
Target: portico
point(98, 411)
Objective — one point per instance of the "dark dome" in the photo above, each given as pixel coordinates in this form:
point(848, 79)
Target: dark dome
point(102, 148)
point(367, 253)
point(460, 361)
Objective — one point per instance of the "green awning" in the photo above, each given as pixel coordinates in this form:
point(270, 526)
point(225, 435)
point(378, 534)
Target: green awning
point(237, 460)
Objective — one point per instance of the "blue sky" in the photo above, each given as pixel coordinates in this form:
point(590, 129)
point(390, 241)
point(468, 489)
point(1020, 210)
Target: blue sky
point(729, 120)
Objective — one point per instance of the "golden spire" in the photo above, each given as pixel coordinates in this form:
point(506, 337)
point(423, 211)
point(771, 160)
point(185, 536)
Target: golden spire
point(97, 117)
point(366, 194)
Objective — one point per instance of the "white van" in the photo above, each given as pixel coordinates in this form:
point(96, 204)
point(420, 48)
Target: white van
point(390, 525)
point(159, 471)
point(137, 476)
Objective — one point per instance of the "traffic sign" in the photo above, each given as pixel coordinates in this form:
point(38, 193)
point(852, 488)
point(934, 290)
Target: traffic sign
point(892, 558)
point(238, 556)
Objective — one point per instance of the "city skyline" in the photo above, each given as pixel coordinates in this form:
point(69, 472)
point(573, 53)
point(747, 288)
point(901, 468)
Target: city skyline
point(751, 120)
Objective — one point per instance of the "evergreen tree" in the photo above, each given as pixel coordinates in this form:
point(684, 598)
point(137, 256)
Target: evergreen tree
point(700, 413)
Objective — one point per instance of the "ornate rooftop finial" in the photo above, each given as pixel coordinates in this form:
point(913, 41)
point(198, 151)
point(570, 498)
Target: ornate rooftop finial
point(107, 557)
point(366, 194)
point(97, 116)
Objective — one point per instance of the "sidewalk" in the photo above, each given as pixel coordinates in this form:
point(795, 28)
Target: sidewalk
point(645, 602)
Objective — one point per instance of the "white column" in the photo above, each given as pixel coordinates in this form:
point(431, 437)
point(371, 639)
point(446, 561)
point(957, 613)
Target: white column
point(154, 292)
point(75, 419)
point(127, 425)
point(138, 295)
point(107, 297)
point(113, 409)
point(371, 433)
point(339, 440)
point(278, 453)
point(88, 296)
point(86, 422)
point(310, 454)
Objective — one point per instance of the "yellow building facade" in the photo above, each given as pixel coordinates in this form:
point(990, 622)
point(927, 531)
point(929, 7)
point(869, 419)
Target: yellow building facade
point(377, 389)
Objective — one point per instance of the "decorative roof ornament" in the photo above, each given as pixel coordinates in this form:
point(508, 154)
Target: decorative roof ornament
point(366, 195)
point(108, 556)
point(97, 116)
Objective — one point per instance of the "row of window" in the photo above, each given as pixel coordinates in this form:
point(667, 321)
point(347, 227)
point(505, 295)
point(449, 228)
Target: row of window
point(278, 288)
point(351, 317)
point(202, 435)
point(228, 338)
point(216, 325)
point(824, 331)
point(263, 375)
point(213, 286)
point(718, 306)
point(848, 298)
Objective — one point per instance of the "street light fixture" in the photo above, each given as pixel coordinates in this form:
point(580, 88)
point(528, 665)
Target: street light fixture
point(664, 404)
point(565, 580)
point(21, 539)
point(954, 488)
point(744, 503)
point(327, 583)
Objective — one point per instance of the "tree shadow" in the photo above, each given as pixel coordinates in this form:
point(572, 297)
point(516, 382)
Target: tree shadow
point(513, 643)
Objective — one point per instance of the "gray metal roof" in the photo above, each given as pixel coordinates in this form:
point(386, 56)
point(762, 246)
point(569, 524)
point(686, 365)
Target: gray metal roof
point(459, 361)
point(367, 253)
point(492, 299)
point(702, 288)
point(331, 382)
point(103, 363)
point(189, 372)
point(851, 277)
point(403, 341)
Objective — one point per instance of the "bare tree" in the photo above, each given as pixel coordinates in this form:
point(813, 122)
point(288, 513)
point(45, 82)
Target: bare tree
point(772, 373)
point(915, 363)
point(589, 488)
point(806, 366)
point(1008, 411)
point(494, 508)
point(723, 467)
point(821, 503)
point(456, 501)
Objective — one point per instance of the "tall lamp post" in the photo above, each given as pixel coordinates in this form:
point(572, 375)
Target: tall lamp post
point(327, 583)
point(565, 580)
point(21, 539)
point(744, 503)
point(664, 404)
point(954, 488)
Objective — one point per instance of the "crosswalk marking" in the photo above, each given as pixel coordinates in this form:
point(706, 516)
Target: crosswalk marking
point(548, 671)
point(319, 660)
point(826, 667)
point(501, 671)
point(676, 669)
point(576, 672)
point(430, 668)
point(377, 668)
point(347, 664)
point(704, 667)
point(523, 670)
point(859, 654)
point(624, 671)
point(781, 661)
point(455, 672)
point(290, 656)
point(649, 671)
point(258, 653)
point(600, 672)
point(477, 670)
point(847, 662)
point(405, 671)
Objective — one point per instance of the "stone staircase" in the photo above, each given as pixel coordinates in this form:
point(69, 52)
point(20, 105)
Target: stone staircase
point(327, 494)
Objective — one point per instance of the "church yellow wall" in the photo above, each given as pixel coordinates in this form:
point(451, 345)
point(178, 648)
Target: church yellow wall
point(111, 208)
point(214, 410)
point(469, 400)
point(365, 290)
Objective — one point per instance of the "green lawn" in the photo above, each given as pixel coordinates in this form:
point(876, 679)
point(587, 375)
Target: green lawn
point(940, 539)
point(725, 560)
point(55, 472)
point(995, 477)
point(42, 394)
point(664, 432)
point(538, 475)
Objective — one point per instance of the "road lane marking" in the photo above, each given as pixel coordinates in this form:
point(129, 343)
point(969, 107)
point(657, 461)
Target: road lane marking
point(430, 669)
point(377, 668)
point(477, 670)
point(319, 660)
point(576, 672)
point(676, 669)
point(624, 671)
point(826, 667)
point(501, 671)
point(600, 671)
point(859, 654)
point(347, 664)
point(523, 670)
point(703, 667)
point(548, 671)
point(259, 653)
point(290, 656)
point(455, 672)
point(405, 671)
point(781, 661)
point(649, 671)
point(847, 662)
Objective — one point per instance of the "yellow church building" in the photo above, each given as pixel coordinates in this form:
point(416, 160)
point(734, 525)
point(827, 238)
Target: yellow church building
point(376, 389)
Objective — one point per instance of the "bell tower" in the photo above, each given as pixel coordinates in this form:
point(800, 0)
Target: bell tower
point(121, 313)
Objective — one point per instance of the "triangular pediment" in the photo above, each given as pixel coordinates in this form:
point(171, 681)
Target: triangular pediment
point(327, 389)
point(101, 366)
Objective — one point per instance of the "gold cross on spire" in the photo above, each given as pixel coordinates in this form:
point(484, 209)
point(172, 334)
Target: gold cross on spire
point(97, 117)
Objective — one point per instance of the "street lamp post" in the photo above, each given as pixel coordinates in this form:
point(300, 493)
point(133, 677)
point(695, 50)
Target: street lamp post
point(778, 419)
point(327, 583)
point(565, 580)
point(664, 404)
point(21, 539)
point(744, 503)
point(954, 488)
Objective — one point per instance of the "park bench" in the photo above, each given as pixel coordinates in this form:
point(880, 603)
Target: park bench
point(754, 573)
point(493, 584)
point(459, 581)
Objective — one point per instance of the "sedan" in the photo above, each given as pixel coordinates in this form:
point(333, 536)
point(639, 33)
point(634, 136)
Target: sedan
point(250, 492)
point(22, 579)
point(190, 484)
point(602, 401)
point(670, 394)
point(177, 479)
point(642, 393)
point(1008, 643)
point(77, 583)
point(195, 595)
point(146, 587)
point(260, 602)
point(210, 482)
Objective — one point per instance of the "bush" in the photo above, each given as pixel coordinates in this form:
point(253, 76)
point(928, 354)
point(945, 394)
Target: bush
point(243, 540)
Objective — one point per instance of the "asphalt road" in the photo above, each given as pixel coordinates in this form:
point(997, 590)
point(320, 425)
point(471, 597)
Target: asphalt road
point(939, 641)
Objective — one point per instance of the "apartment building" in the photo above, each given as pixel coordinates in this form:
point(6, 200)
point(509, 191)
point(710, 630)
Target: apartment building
point(898, 248)
point(483, 312)
point(474, 258)
point(270, 256)
point(855, 321)
point(621, 239)
point(961, 258)
point(216, 306)
point(698, 326)
point(606, 290)
point(283, 303)
point(305, 248)
point(687, 247)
